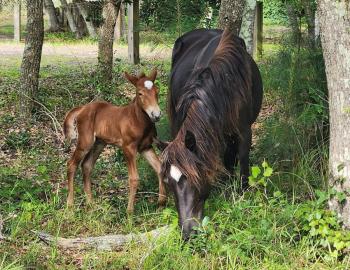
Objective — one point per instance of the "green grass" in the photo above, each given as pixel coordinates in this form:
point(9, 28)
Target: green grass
point(260, 230)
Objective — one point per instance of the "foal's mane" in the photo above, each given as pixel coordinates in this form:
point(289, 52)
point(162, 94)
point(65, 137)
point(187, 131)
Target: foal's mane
point(209, 109)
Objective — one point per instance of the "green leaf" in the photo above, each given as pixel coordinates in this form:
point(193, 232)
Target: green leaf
point(205, 221)
point(339, 245)
point(341, 197)
point(255, 171)
point(268, 172)
point(252, 181)
point(264, 164)
point(41, 169)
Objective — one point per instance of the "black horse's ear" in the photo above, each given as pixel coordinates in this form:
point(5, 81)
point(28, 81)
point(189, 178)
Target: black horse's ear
point(190, 141)
point(160, 144)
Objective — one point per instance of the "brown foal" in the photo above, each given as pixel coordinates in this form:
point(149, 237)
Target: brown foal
point(130, 127)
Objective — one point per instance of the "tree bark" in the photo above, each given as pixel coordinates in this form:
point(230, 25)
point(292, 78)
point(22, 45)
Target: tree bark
point(230, 15)
point(51, 12)
point(85, 13)
point(247, 27)
point(335, 36)
point(72, 25)
point(30, 67)
point(105, 44)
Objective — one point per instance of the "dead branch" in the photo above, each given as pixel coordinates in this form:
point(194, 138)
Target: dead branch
point(106, 242)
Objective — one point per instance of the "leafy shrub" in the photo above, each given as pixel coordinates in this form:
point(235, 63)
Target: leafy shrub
point(176, 15)
point(18, 139)
point(275, 12)
point(321, 225)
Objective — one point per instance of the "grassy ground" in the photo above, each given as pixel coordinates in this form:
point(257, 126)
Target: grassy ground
point(267, 228)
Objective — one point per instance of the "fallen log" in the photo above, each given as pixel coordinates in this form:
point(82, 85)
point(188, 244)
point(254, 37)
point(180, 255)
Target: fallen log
point(105, 242)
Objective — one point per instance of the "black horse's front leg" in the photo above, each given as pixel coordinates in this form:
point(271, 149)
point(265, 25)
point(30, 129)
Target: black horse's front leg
point(244, 144)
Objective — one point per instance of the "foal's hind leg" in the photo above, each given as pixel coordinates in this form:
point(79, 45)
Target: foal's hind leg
point(87, 166)
point(85, 142)
point(153, 160)
point(244, 144)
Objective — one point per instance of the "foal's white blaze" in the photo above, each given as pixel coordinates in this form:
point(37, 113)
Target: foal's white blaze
point(175, 173)
point(148, 84)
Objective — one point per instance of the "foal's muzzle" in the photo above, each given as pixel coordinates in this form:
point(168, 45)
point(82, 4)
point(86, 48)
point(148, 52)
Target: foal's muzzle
point(155, 116)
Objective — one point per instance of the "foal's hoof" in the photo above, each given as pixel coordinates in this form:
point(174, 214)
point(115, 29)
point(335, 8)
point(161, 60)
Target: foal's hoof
point(130, 211)
point(161, 203)
point(70, 203)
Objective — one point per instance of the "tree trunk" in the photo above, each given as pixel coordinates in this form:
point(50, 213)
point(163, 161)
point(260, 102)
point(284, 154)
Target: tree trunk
point(310, 19)
point(335, 36)
point(17, 21)
point(247, 28)
point(123, 29)
point(51, 12)
point(85, 13)
point(118, 30)
point(293, 22)
point(72, 25)
point(317, 27)
point(30, 67)
point(230, 15)
point(105, 44)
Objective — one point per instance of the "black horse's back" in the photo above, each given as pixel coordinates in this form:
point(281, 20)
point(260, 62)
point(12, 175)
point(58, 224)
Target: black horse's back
point(193, 51)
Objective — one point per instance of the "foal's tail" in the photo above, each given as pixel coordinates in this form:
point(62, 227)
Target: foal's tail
point(69, 128)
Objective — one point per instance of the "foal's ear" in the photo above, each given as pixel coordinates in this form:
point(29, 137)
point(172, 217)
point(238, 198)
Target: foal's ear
point(131, 78)
point(190, 141)
point(153, 75)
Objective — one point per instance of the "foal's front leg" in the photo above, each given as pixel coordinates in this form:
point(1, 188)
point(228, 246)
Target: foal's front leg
point(130, 152)
point(153, 160)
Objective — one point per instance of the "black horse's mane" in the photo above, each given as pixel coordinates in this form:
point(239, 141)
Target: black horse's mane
point(209, 108)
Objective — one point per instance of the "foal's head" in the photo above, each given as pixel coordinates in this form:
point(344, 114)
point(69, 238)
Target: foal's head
point(146, 94)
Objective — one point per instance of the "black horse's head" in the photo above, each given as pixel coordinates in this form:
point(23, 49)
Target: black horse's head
point(187, 178)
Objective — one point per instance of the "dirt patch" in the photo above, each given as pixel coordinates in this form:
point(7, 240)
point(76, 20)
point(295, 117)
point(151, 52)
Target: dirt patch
point(84, 51)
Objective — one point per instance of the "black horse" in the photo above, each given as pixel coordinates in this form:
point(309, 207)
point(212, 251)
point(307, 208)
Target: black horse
point(215, 96)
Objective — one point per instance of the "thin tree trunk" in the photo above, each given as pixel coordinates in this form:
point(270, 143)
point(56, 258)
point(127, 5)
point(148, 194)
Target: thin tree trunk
point(335, 36)
point(293, 22)
point(30, 67)
point(310, 19)
point(118, 29)
point(72, 25)
point(85, 13)
point(123, 29)
point(230, 15)
point(51, 12)
point(17, 21)
point(105, 45)
point(317, 27)
point(247, 28)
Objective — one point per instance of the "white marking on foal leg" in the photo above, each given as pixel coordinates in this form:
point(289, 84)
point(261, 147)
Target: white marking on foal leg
point(175, 173)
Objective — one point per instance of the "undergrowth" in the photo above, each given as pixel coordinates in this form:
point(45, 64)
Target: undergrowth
point(282, 222)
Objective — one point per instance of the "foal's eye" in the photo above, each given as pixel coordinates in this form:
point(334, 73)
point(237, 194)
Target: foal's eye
point(140, 94)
